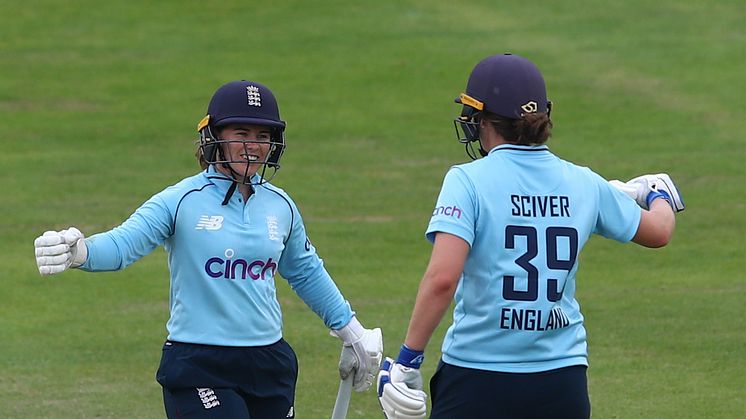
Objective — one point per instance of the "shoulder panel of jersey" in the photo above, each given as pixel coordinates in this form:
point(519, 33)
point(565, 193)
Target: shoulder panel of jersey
point(173, 195)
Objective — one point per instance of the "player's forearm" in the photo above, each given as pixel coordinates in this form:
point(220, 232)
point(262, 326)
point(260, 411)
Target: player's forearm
point(321, 294)
point(432, 301)
point(656, 225)
point(436, 288)
point(103, 254)
point(147, 228)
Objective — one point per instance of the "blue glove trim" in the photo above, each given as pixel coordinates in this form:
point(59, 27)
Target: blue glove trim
point(652, 196)
point(384, 380)
point(410, 358)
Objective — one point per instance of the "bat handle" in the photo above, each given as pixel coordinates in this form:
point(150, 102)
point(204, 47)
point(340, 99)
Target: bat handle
point(343, 398)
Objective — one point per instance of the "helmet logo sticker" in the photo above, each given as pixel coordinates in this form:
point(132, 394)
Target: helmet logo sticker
point(530, 107)
point(254, 98)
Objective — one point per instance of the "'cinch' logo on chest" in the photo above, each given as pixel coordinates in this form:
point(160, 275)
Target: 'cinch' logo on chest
point(238, 268)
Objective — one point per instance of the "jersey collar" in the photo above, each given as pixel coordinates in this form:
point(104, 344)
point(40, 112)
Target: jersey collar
point(214, 175)
point(519, 147)
point(219, 179)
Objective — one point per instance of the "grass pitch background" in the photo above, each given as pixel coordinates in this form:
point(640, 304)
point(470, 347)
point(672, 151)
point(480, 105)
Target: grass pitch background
point(98, 104)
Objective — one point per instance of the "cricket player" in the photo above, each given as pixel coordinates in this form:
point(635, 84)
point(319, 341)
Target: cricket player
point(227, 232)
point(507, 231)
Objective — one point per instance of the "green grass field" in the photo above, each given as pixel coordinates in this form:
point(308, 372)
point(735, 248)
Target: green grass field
point(99, 100)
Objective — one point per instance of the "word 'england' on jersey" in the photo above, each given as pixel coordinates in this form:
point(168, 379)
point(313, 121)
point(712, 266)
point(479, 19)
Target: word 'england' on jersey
point(533, 320)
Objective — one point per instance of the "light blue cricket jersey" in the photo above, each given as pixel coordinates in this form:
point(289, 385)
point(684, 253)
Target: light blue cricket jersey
point(526, 215)
point(223, 260)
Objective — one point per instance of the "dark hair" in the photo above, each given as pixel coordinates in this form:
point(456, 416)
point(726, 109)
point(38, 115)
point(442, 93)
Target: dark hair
point(530, 129)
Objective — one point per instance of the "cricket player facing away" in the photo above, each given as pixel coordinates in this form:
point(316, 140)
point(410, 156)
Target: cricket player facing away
point(227, 232)
point(507, 230)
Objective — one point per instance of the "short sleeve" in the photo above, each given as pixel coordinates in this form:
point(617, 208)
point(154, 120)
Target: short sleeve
point(618, 214)
point(456, 210)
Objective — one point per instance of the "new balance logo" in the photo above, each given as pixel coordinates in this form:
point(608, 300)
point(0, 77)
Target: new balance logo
point(291, 413)
point(207, 222)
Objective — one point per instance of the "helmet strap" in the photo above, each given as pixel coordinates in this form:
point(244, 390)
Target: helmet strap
point(482, 151)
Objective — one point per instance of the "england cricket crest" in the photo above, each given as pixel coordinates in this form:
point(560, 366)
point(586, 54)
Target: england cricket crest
point(273, 228)
point(253, 96)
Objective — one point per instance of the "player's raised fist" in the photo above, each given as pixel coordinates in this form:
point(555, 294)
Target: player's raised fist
point(56, 251)
point(646, 188)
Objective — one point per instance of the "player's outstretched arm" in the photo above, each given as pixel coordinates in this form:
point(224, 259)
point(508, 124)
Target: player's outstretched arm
point(56, 251)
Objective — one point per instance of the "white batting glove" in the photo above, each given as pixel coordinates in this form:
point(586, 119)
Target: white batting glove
point(662, 184)
point(56, 251)
point(400, 391)
point(361, 354)
point(646, 188)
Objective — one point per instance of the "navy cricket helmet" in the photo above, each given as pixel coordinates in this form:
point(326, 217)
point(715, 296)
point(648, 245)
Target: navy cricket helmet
point(507, 85)
point(242, 102)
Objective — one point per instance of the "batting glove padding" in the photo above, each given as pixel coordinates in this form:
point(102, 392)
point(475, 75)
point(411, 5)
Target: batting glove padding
point(361, 354)
point(56, 251)
point(646, 188)
point(400, 391)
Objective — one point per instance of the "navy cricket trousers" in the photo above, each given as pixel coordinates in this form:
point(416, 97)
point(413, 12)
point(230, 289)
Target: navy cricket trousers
point(205, 381)
point(459, 393)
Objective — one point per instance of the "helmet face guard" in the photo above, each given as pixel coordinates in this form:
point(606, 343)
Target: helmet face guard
point(242, 102)
point(214, 152)
point(467, 126)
